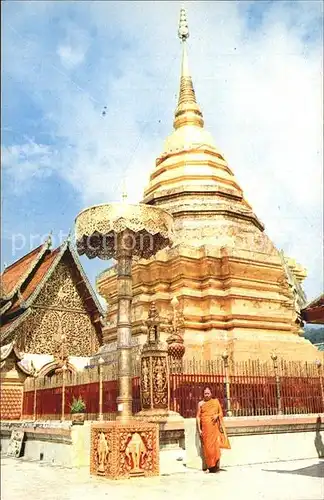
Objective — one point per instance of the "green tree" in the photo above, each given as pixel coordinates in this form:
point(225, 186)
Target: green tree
point(314, 335)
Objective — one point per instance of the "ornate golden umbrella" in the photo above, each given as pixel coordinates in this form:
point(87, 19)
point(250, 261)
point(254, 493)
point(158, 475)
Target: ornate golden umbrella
point(123, 231)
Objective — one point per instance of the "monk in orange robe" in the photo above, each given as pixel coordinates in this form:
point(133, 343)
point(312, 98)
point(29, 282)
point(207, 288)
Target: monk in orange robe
point(211, 429)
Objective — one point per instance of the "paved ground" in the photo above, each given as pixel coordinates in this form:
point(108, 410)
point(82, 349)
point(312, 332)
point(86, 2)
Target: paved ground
point(298, 480)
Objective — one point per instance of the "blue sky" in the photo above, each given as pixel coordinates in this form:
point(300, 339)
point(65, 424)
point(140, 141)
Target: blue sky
point(257, 71)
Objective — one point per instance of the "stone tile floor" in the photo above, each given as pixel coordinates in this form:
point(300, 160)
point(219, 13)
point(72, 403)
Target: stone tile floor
point(294, 480)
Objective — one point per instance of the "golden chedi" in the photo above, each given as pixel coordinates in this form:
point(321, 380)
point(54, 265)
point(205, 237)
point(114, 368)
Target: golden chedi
point(235, 289)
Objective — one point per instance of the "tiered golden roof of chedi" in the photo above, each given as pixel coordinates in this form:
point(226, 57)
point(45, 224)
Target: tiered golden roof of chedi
point(193, 181)
point(235, 289)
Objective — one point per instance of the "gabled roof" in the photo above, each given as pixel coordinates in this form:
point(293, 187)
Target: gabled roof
point(31, 273)
point(314, 311)
point(24, 297)
point(5, 352)
point(9, 327)
point(14, 276)
point(318, 302)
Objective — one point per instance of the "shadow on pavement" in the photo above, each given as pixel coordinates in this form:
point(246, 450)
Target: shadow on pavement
point(316, 470)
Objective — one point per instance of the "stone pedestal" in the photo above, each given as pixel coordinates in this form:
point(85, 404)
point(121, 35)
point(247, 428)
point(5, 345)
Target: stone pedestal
point(124, 449)
point(171, 427)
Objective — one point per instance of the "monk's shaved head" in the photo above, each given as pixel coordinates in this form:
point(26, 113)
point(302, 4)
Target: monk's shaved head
point(207, 393)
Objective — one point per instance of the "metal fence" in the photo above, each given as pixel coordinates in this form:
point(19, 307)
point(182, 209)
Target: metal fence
point(244, 389)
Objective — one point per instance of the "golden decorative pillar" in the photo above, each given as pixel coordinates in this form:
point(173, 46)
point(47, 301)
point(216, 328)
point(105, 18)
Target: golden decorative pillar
point(124, 331)
point(123, 231)
point(127, 447)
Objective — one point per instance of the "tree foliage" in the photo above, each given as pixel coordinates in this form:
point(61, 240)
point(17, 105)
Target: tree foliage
point(314, 335)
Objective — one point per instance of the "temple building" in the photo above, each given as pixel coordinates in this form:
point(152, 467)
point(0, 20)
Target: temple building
point(236, 290)
point(50, 315)
point(313, 313)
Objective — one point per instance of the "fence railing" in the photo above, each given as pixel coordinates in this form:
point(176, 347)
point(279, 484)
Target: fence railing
point(248, 389)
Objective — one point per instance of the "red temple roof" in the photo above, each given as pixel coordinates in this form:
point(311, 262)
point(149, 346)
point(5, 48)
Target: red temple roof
point(15, 274)
point(23, 280)
point(38, 276)
point(314, 311)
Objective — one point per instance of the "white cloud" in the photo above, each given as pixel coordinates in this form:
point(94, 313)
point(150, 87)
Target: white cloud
point(260, 90)
point(28, 161)
point(74, 49)
point(70, 57)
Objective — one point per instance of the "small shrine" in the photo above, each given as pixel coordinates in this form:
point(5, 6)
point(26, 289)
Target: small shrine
point(158, 360)
point(154, 367)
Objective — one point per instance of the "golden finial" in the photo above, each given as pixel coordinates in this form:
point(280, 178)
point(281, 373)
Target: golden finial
point(187, 112)
point(124, 192)
point(50, 239)
point(183, 31)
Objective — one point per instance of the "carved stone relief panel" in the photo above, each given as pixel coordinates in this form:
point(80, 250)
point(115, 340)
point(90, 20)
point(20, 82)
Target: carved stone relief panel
point(160, 382)
point(154, 381)
point(101, 452)
point(124, 449)
point(146, 385)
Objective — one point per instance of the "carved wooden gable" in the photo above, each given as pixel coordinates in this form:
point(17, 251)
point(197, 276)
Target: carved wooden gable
point(60, 291)
point(58, 309)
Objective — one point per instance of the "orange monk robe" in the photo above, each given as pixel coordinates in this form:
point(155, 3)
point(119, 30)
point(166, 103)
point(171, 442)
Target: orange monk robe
point(214, 435)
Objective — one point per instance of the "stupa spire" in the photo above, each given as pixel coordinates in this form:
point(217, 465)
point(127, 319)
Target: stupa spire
point(188, 111)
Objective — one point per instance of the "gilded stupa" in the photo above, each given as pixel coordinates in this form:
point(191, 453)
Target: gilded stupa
point(235, 289)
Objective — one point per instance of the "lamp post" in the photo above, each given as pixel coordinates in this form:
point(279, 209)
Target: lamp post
point(34, 375)
point(274, 358)
point(63, 337)
point(225, 357)
point(319, 365)
point(64, 368)
point(100, 363)
point(35, 397)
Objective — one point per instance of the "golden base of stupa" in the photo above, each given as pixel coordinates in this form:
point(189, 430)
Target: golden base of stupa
point(230, 299)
